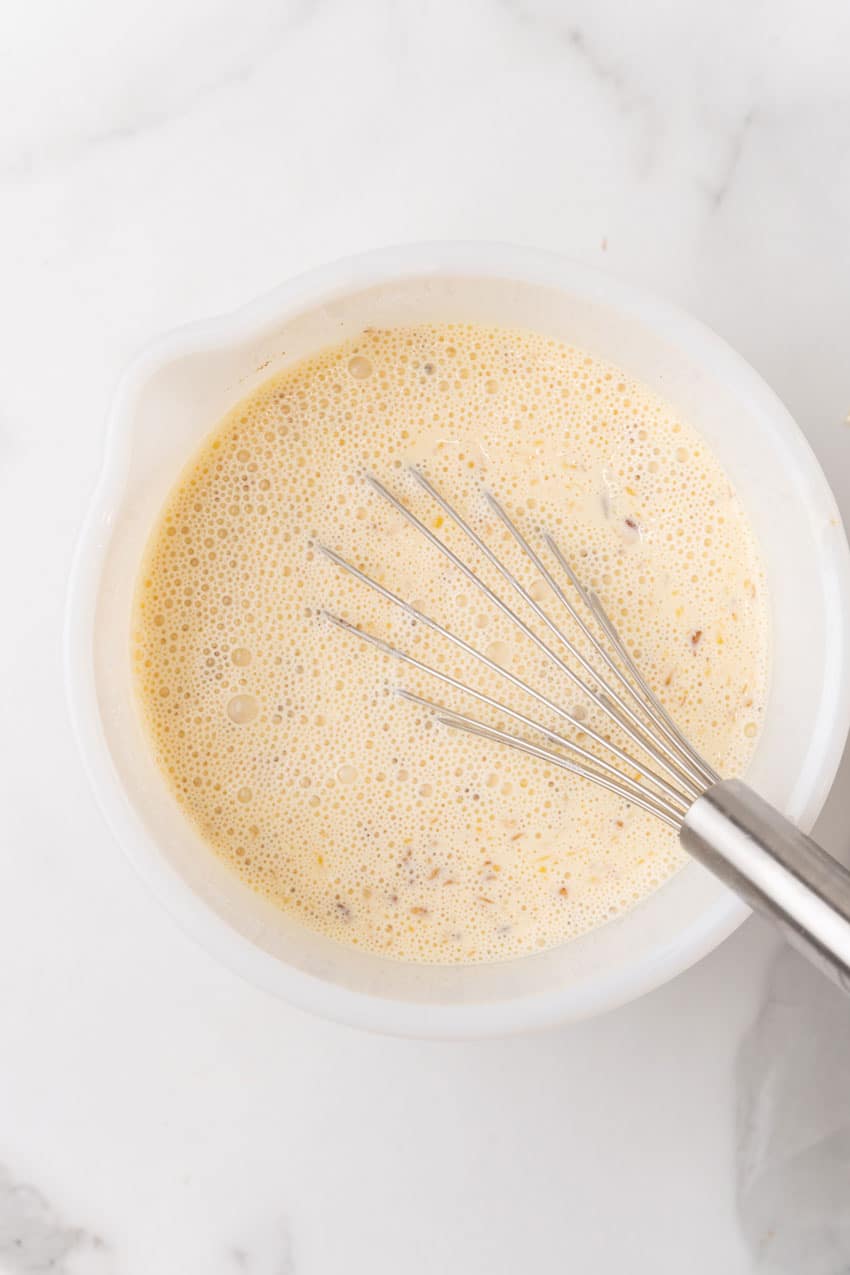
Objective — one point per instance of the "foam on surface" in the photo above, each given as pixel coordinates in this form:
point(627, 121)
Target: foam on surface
point(282, 737)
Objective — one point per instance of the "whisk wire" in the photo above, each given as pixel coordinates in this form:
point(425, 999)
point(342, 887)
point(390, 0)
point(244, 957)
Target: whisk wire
point(636, 732)
point(467, 647)
point(625, 718)
point(680, 757)
point(670, 814)
point(667, 746)
point(552, 736)
point(651, 704)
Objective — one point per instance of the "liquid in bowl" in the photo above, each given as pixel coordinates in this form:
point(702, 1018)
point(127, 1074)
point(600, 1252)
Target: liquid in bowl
point(189, 379)
point(284, 743)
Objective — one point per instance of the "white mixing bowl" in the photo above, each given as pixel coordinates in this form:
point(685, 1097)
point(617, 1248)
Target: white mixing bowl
point(180, 388)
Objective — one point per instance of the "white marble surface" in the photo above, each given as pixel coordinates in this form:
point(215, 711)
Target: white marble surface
point(161, 160)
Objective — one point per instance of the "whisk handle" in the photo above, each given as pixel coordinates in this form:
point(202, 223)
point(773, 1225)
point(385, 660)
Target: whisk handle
point(777, 870)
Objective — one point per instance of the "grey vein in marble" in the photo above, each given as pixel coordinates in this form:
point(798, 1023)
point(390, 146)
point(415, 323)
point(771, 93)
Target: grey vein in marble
point(611, 75)
point(794, 1126)
point(737, 142)
point(567, 32)
point(34, 1239)
point(275, 1257)
point(147, 118)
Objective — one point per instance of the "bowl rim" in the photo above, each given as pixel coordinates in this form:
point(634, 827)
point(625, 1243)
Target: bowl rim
point(312, 287)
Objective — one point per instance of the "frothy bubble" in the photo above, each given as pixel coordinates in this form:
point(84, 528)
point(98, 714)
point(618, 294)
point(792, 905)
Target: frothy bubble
point(242, 709)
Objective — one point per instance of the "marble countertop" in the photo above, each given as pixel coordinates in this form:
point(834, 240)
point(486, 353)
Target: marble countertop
point(161, 161)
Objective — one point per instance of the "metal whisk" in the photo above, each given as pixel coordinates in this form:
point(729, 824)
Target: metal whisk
point(724, 824)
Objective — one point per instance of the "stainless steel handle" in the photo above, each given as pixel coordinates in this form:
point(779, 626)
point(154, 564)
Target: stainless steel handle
point(777, 870)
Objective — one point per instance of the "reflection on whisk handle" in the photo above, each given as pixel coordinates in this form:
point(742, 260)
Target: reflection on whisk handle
point(776, 870)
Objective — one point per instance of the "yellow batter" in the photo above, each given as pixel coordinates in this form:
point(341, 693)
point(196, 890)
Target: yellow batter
point(282, 737)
